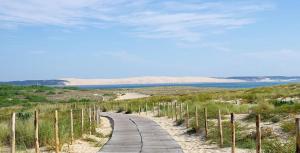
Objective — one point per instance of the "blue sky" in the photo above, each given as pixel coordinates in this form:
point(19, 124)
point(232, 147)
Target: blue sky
point(122, 38)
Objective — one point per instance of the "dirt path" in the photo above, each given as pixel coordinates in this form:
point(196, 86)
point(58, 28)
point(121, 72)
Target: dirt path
point(132, 95)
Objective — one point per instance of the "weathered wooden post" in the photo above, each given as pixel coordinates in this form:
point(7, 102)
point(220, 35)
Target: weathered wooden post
point(220, 128)
point(90, 121)
point(187, 116)
point(297, 134)
point(72, 128)
point(197, 120)
point(158, 110)
point(146, 109)
point(36, 135)
point(258, 134)
point(139, 109)
point(165, 109)
point(232, 121)
point(205, 122)
point(153, 109)
point(94, 113)
point(175, 111)
point(82, 121)
point(97, 117)
point(56, 132)
point(13, 133)
point(180, 111)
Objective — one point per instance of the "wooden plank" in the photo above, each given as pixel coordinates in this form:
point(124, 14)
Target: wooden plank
point(13, 133)
point(187, 116)
point(232, 121)
point(90, 121)
point(56, 132)
point(180, 111)
point(258, 134)
point(205, 123)
point(297, 134)
point(175, 111)
point(197, 120)
point(82, 122)
point(72, 128)
point(220, 128)
point(36, 134)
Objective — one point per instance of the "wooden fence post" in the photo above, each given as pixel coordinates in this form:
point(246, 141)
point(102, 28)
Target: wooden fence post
point(94, 113)
point(175, 111)
point(205, 122)
point(36, 136)
point(139, 109)
point(197, 120)
point(90, 121)
point(187, 116)
point(82, 121)
point(180, 111)
point(97, 116)
point(72, 128)
point(146, 109)
point(220, 128)
point(158, 110)
point(258, 134)
point(232, 121)
point(13, 133)
point(297, 134)
point(153, 109)
point(56, 132)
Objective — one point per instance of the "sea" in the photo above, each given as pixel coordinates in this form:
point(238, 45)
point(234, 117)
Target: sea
point(234, 85)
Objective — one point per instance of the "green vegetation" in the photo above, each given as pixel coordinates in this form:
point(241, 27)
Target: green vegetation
point(269, 102)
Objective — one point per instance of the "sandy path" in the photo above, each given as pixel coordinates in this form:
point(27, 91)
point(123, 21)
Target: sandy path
point(132, 95)
point(189, 143)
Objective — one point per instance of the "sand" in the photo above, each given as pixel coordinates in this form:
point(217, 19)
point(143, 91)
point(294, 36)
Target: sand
point(132, 95)
point(189, 143)
point(147, 80)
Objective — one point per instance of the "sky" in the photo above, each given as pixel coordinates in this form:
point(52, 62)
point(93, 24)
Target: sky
point(53, 39)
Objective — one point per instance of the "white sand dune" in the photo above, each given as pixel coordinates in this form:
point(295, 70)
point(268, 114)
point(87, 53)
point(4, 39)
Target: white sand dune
point(147, 80)
point(131, 96)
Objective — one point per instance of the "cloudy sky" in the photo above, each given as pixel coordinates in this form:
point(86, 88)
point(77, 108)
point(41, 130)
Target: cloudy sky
point(47, 39)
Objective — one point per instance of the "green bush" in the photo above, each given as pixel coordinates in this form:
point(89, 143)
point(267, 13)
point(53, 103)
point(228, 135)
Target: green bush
point(275, 119)
point(288, 127)
point(36, 98)
point(276, 146)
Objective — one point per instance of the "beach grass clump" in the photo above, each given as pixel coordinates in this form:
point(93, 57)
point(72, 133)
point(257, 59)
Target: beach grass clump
point(4, 134)
point(288, 127)
point(278, 146)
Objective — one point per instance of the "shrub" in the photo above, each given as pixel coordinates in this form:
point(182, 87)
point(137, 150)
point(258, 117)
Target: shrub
point(276, 146)
point(120, 109)
point(36, 98)
point(4, 134)
point(24, 115)
point(288, 127)
point(275, 119)
point(179, 122)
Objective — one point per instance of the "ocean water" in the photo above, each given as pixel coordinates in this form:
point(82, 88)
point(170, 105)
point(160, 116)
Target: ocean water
point(203, 85)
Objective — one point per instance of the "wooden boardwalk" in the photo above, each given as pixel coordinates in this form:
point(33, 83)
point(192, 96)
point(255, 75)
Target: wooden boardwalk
point(133, 134)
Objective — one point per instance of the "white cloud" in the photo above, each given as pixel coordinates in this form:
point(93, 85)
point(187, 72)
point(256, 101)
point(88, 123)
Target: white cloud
point(188, 21)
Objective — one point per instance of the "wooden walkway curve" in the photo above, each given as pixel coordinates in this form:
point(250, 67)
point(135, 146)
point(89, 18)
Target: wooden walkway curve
point(134, 134)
